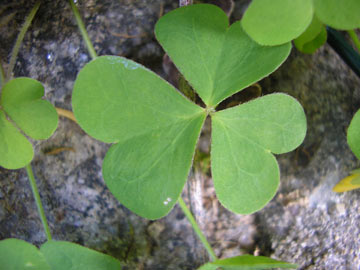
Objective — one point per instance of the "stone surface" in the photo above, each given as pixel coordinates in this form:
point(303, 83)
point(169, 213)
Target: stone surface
point(305, 223)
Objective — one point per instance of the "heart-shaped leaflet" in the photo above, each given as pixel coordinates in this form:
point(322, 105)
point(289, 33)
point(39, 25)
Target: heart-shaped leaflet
point(17, 254)
point(342, 15)
point(246, 262)
point(21, 101)
point(20, 255)
point(217, 60)
point(154, 127)
point(353, 135)
point(274, 22)
point(247, 178)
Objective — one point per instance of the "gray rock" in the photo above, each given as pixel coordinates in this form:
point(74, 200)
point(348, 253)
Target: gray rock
point(305, 223)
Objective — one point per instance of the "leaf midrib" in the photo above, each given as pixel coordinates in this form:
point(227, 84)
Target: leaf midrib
point(219, 65)
point(253, 176)
point(172, 121)
point(12, 122)
point(202, 57)
point(168, 148)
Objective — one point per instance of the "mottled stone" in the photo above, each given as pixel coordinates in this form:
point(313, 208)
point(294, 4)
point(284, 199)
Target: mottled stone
point(305, 223)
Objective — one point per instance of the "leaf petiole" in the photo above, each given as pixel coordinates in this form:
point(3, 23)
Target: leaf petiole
point(82, 29)
point(38, 201)
point(197, 230)
point(354, 38)
point(2, 75)
point(66, 113)
point(19, 40)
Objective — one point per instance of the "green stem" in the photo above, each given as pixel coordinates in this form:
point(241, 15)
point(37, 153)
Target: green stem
point(82, 29)
point(38, 201)
point(2, 75)
point(354, 38)
point(20, 38)
point(197, 230)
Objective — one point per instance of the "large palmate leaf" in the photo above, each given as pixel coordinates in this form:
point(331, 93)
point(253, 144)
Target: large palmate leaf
point(62, 255)
point(247, 177)
point(246, 262)
point(21, 100)
point(154, 127)
point(217, 60)
point(274, 22)
point(342, 14)
point(17, 254)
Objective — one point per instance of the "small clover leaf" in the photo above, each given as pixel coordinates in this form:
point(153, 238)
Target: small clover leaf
point(55, 255)
point(353, 138)
point(247, 262)
point(274, 22)
point(343, 15)
point(15, 150)
point(62, 255)
point(19, 255)
point(155, 129)
point(353, 134)
point(21, 101)
point(313, 38)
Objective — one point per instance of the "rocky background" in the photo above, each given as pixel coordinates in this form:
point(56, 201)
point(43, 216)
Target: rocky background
point(306, 223)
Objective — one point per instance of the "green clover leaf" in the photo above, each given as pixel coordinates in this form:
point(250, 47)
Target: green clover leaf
point(116, 100)
point(353, 134)
point(313, 38)
point(217, 60)
point(343, 15)
point(274, 22)
point(247, 262)
point(247, 177)
point(155, 129)
point(62, 255)
point(15, 150)
point(19, 255)
point(353, 139)
point(55, 255)
point(21, 101)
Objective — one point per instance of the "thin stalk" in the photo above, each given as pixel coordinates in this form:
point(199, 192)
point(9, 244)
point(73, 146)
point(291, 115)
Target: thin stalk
point(38, 201)
point(197, 230)
point(354, 38)
point(20, 38)
point(66, 113)
point(2, 75)
point(349, 55)
point(82, 29)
